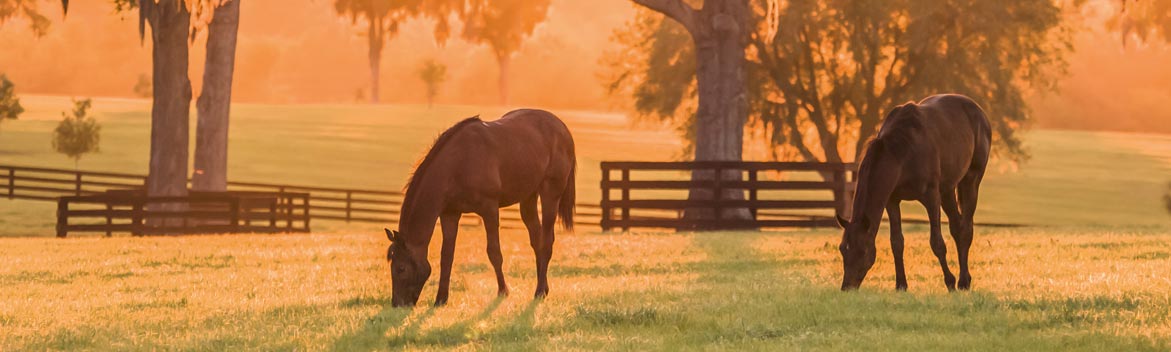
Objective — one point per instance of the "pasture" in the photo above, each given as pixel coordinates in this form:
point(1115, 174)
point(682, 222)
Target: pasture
point(1048, 289)
point(1066, 183)
point(1088, 274)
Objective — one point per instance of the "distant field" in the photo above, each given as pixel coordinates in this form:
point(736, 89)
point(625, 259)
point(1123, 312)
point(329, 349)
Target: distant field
point(1090, 276)
point(1073, 179)
point(1047, 289)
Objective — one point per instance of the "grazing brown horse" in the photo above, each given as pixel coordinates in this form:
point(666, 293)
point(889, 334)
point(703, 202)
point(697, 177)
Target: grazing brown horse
point(926, 152)
point(479, 167)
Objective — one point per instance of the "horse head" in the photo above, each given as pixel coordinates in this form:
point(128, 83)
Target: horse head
point(858, 251)
point(407, 272)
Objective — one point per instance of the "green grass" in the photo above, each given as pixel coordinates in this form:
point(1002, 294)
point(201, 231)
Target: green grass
point(1073, 178)
point(643, 291)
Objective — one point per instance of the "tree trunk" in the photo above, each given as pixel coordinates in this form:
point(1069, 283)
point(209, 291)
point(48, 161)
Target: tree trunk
point(375, 37)
point(170, 110)
point(214, 105)
point(720, 52)
point(503, 61)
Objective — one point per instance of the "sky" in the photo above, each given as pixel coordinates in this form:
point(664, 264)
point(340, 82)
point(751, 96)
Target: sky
point(310, 54)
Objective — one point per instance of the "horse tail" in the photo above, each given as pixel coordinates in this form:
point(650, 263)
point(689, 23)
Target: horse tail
point(569, 198)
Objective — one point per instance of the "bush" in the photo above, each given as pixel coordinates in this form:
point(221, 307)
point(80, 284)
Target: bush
point(78, 134)
point(9, 104)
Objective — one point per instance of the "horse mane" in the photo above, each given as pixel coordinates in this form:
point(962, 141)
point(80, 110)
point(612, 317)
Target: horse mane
point(440, 142)
point(901, 127)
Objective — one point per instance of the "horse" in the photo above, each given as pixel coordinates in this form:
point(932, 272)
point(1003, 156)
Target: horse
point(479, 167)
point(929, 152)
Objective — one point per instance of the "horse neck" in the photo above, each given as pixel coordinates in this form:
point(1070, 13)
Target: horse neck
point(875, 189)
point(417, 218)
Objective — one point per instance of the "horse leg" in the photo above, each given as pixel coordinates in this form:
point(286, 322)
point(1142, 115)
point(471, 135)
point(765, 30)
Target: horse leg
point(969, 190)
point(491, 216)
point(532, 220)
point(896, 243)
point(550, 199)
point(450, 224)
point(937, 244)
point(956, 222)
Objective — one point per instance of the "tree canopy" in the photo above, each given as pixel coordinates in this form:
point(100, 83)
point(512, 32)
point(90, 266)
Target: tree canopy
point(503, 24)
point(823, 73)
point(1144, 19)
point(28, 9)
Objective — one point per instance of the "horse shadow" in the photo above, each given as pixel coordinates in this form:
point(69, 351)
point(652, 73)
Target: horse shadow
point(373, 335)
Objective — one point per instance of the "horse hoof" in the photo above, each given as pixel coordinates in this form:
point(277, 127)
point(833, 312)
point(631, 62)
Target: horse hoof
point(901, 288)
point(965, 283)
point(502, 292)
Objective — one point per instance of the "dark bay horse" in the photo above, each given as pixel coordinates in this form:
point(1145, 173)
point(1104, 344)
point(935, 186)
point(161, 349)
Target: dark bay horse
point(479, 167)
point(929, 152)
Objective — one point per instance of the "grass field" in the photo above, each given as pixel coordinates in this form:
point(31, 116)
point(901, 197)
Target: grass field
point(1089, 274)
point(1073, 179)
point(1045, 289)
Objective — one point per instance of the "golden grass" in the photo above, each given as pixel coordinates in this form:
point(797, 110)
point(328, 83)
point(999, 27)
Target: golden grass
point(1034, 289)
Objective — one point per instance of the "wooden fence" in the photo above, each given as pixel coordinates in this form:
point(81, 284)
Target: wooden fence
point(199, 212)
point(834, 181)
point(326, 203)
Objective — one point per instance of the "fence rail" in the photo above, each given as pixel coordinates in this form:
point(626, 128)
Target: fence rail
point(727, 177)
point(326, 203)
point(200, 212)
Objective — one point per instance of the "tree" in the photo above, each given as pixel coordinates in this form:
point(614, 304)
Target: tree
point(9, 103)
point(1143, 19)
point(142, 88)
point(823, 73)
point(38, 23)
point(78, 133)
point(382, 19)
point(214, 105)
point(719, 33)
point(503, 25)
point(432, 73)
point(170, 23)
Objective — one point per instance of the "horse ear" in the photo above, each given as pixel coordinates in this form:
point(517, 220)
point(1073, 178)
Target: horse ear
point(390, 235)
point(841, 221)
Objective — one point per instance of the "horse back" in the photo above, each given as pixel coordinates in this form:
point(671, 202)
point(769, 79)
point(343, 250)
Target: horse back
point(959, 131)
point(511, 157)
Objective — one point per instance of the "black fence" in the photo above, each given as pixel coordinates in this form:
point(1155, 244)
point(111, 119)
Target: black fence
point(198, 212)
point(834, 180)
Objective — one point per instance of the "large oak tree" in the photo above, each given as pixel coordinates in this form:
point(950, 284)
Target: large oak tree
point(718, 32)
point(822, 74)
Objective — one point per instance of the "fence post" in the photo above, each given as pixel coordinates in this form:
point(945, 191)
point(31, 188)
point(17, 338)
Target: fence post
point(306, 211)
point(605, 204)
point(78, 183)
point(841, 194)
point(752, 187)
point(109, 220)
point(11, 183)
point(234, 206)
point(349, 201)
point(289, 213)
point(626, 199)
point(62, 218)
point(272, 213)
point(136, 217)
